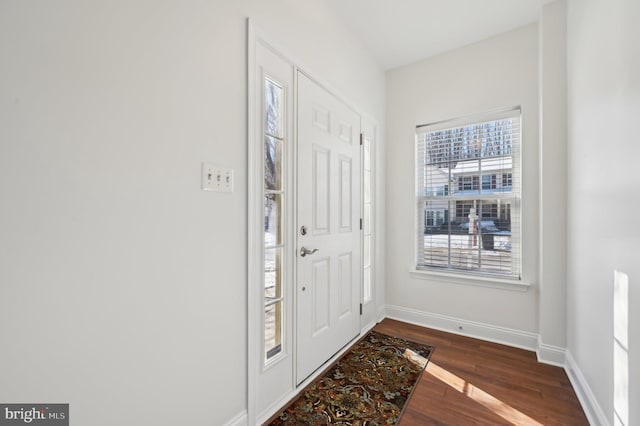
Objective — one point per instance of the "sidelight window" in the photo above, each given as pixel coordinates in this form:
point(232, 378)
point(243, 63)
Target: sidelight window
point(274, 199)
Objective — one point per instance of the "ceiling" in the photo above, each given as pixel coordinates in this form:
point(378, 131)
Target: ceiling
point(399, 32)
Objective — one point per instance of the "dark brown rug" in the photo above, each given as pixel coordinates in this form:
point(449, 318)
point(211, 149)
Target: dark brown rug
point(369, 385)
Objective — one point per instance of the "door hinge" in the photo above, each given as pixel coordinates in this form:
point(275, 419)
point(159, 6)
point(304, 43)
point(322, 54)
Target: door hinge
point(361, 224)
point(361, 138)
point(361, 309)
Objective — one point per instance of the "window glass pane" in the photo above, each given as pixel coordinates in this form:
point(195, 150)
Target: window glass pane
point(367, 251)
point(273, 330)
point(507, 182)
point(272, 228)
point(367, 283)
point(272, 163)
point(461, 169)
point(367, 219)
point(273, 109)
point(480, 237)
point(436, 181)
point(367, 186)
point(486, 182)
point(367, 153)
point(272, 274)
point(435, 241)
point(273, 217)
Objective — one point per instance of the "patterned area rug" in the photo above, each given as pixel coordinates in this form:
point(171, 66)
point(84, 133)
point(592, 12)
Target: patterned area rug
point(369, 385)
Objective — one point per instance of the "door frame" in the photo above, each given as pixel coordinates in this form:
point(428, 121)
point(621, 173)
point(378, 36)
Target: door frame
point(256, 39)
point(256, 366)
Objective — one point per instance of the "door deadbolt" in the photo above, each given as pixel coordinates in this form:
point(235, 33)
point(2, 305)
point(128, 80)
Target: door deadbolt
point(303, 230)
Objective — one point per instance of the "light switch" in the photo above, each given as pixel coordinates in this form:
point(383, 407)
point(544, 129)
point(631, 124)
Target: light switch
point(217, 178)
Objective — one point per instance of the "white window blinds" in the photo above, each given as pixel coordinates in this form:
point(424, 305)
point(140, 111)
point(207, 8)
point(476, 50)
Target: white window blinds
point(468, 195)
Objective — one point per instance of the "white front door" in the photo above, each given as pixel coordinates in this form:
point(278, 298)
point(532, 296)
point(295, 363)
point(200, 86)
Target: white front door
point(328, 222)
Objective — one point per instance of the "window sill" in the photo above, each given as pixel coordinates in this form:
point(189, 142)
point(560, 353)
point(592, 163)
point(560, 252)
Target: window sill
point(479, 281)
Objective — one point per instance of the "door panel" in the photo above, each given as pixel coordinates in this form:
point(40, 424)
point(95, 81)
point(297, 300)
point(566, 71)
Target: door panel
point(321, 182)
point(345, 266)
point(346, 205)
point(328, 206)
point(321, 293)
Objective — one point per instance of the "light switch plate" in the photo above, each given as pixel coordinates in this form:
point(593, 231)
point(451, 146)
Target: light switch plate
point(217, 178)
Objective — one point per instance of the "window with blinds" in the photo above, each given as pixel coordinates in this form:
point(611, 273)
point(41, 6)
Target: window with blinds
point(468, 195)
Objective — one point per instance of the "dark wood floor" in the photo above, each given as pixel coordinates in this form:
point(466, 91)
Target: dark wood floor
point(473, 382)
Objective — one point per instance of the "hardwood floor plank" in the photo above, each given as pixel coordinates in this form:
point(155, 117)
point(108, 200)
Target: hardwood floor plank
point(473, 382)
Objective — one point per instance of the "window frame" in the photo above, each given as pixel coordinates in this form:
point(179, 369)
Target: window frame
point(281, 247)
point(476, 183)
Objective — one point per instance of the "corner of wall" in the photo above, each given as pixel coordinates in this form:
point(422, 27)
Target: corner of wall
point(552, 104)
point(550, 354)
point(587, 399)
point(382, 312)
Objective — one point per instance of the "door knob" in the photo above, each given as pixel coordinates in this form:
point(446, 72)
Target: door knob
point(305, 251)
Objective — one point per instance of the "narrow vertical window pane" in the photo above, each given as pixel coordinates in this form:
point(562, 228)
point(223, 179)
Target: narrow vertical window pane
point(272, 218)
point(367, 186)
point(367, 283)
point(367, 154)
point(366, 255)
point(367, 219)
point(273, 330)
point(273, 109)
point(367, 241)
point(272, 275)
point(435, 241)
point(272, 163)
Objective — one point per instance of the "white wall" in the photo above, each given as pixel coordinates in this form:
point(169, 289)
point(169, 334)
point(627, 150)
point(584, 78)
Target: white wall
point(122, 285)
point(604, 196)
point(494, 73)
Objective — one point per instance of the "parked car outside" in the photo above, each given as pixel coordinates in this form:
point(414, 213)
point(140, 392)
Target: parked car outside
point(486, 227)
point(443, 229)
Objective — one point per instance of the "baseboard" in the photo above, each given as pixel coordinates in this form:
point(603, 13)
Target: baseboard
point(239, 420)
point(277, 405)
point(549, 354)
point(364, 330)
point(587, 399)
point(491, 333)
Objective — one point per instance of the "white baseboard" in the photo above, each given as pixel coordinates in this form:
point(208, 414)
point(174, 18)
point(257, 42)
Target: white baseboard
point(549, 354)
point(364, 330)
point(491, 333)
point(277, 405)
point(239, 420)
point(587, 399)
